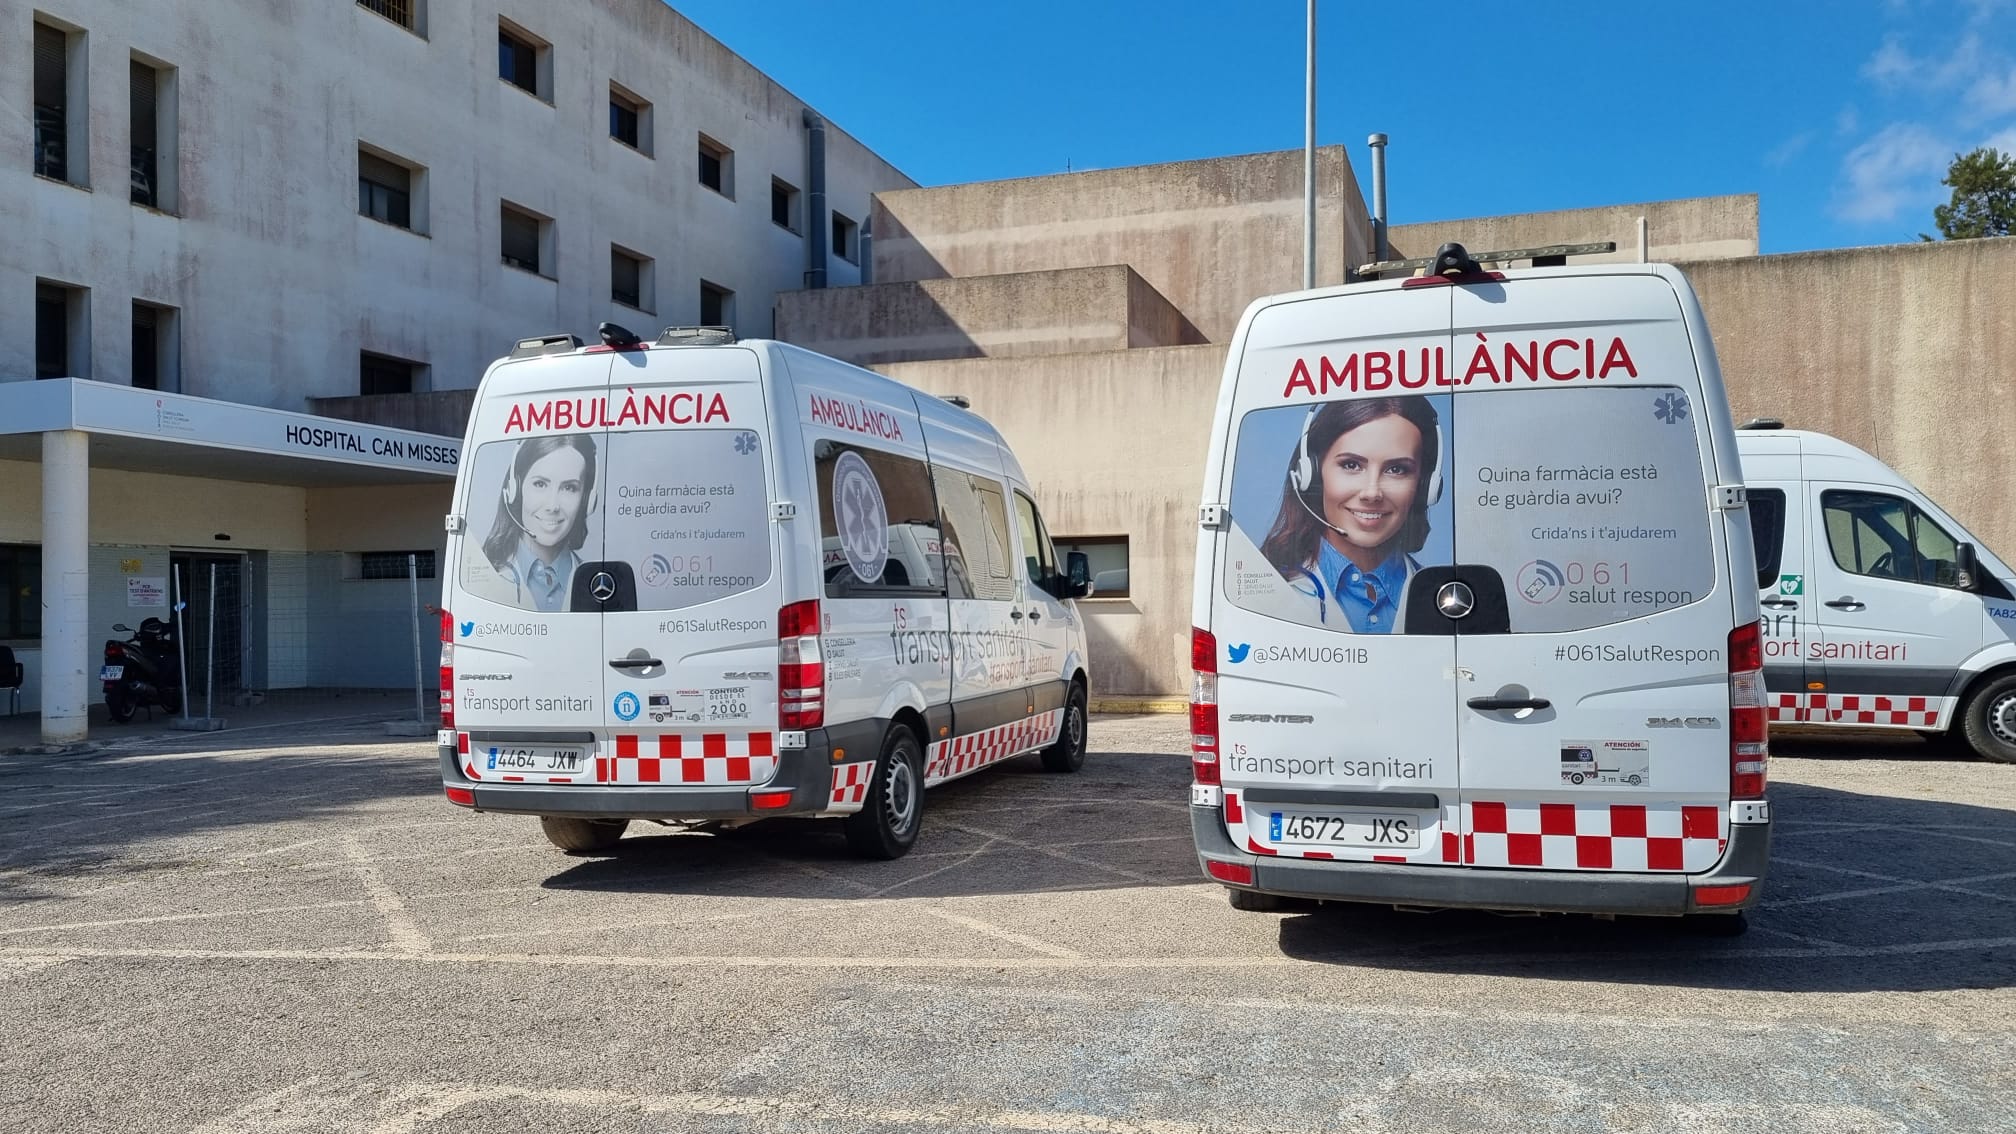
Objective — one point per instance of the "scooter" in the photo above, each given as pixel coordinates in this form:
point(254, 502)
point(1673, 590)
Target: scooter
point(143, 670)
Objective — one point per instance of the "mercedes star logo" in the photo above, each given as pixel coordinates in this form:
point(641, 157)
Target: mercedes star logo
point(602, 586)
point(1454, 600)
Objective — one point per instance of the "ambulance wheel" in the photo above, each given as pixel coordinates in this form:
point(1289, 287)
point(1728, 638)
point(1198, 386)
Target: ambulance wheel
point(1989, 720)
point(1717, 924)
point(886, 826)
point(1068, 754)
point(1253, 901)
point(583, 835)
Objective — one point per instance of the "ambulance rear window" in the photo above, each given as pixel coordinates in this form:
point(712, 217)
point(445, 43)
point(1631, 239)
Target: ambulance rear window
point(688, 510)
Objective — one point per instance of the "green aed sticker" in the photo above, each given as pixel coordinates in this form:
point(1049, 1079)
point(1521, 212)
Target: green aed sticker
point(1791, 584)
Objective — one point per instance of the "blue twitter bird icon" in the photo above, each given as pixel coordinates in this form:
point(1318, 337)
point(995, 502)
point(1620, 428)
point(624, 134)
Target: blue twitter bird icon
point(1237, 653)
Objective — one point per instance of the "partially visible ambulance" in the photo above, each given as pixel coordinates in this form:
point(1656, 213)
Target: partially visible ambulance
point(1880, 610)
point(1476, 617)
point(705, 582)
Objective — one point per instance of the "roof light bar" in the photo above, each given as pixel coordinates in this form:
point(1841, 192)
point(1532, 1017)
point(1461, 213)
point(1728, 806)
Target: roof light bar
point(696, 336)
point(1500, 256)
point(545, 344)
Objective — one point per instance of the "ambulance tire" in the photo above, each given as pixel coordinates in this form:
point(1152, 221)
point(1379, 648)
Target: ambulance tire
point(886, 826)
point(1989, 720)
point(1068, 754)
point(1717, 925)
point(583, 836)
point(1253, 901)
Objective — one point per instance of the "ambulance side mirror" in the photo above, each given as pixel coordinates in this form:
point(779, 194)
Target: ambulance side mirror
point(1966, 568)
point(1078, 575)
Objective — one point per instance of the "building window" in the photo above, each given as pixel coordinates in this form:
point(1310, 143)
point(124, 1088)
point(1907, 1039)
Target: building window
point(60, 110)
point(717, 167)
point(152, 86)
point(156, 347)
point(384, 190)
point(408, 14)
point(1108, 555)
point(629, 119)
point(528, 240)
point(630, 279)
point(384, 374)
point(843, 239)
point(524, 60)
point(717, 306)
point(20, 592)
point(393, 565)
point(783, 204)
point(62, 330)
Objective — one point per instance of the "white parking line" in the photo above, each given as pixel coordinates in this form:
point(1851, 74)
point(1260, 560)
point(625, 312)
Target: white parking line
point(160, 919)
point(405, 933)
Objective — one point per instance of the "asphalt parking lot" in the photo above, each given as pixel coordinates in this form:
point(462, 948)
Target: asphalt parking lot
point(290, 930)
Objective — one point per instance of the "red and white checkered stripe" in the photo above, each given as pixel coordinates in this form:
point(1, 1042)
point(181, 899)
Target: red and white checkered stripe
point(1576, 836)
point(850, 783)
point(711, 758)
point(960, 755)
point(1860, 709)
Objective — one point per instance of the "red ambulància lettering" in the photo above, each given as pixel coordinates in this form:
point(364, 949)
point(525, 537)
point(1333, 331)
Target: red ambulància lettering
point(859, 417)
point(682, 408)
point(1499, 362)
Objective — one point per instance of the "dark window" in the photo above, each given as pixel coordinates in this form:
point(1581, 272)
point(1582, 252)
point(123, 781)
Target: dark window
point(517, 62)
point(1767, 533)
point(383, 374)
point(1108, 560)
point(714, 171)
point(521, 240)
point(20, 592)
point(145, 123)
point(626, 278)
point(714, 305)
point(398, 11)
point(392, 564)
point(146, 347)
point(622, 121)
point(1887, 537)
point(52, 103)
point(843, 237)
point(781, 199)
point(899, 546)
point(52, 332)
point(384, 190)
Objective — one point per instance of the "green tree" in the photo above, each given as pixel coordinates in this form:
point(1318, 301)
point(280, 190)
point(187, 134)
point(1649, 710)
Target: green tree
point(1984, 196)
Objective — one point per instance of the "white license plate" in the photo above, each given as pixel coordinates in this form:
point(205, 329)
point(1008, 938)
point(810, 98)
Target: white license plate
point(539, 759)
point(111, 672)
point(1343, 829)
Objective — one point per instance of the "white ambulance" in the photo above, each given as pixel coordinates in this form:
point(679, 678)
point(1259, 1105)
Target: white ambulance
point(1475, 614)
point(639, 620)
point(1880, 610)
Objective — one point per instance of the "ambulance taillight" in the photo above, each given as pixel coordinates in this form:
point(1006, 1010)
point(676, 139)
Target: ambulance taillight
point(1203, 706)
point(1749, 730)
point(447, 670)
point(801, 673)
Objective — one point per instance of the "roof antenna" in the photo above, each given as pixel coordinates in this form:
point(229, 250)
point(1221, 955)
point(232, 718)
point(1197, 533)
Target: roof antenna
point(1453, 260)
point(617, 337)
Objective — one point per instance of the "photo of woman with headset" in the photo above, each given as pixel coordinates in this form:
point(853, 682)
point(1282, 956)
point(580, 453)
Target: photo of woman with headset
point(1355, 507)
point(543, 506)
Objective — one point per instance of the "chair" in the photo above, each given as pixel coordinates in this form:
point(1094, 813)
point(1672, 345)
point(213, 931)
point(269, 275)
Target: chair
point(13, 675)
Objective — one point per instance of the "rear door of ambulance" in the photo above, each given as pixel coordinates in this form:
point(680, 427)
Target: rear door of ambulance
point(524, 661)
point(1335, 741)
point(1588, 599)
point(688, 658)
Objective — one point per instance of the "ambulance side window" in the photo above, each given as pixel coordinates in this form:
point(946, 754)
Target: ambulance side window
point(975, 524)
point(1767, 531)
point(1887, 537)
point(1037, 555)
point(878, 523)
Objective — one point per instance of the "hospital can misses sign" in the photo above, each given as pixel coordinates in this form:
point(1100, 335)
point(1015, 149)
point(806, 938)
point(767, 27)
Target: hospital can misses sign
point(344, 441)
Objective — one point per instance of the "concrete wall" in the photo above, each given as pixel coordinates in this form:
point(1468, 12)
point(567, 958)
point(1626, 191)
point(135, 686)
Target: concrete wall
point(280, 283)
point(442, 411)
point(1114, 444)
point(1905, 350)
point(1054, 312)
point(1209, 235)
point(1696, 228)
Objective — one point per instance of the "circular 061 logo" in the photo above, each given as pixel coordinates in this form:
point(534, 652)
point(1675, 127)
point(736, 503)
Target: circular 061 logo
point(861, 516)
point(627, 706)
point(1539, 582)
point(657, 569)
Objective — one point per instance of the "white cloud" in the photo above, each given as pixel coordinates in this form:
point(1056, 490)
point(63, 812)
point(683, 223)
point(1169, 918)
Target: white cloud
point(1894, 67)
point(1847, 122)
point(1898, 168)
point(1787, 151)
point(2005, 141)
point(1994, 93)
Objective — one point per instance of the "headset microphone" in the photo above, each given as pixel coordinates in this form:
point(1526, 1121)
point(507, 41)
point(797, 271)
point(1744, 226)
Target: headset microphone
point(1303, 473)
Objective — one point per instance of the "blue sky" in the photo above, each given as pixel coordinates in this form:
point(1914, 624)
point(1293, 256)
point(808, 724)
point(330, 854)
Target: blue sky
point(1842, 116)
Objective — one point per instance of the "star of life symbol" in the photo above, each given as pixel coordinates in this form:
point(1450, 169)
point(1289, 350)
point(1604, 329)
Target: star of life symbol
point(861, 515)
point(745, 443)
point(1670, 408)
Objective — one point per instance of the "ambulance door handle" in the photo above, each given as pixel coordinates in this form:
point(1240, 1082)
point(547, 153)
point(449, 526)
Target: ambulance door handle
point(635, 663)
point(1847, 602)
point(1494, 704)
point(1016, 615)
point(1776, 603)
point(1036, 616)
